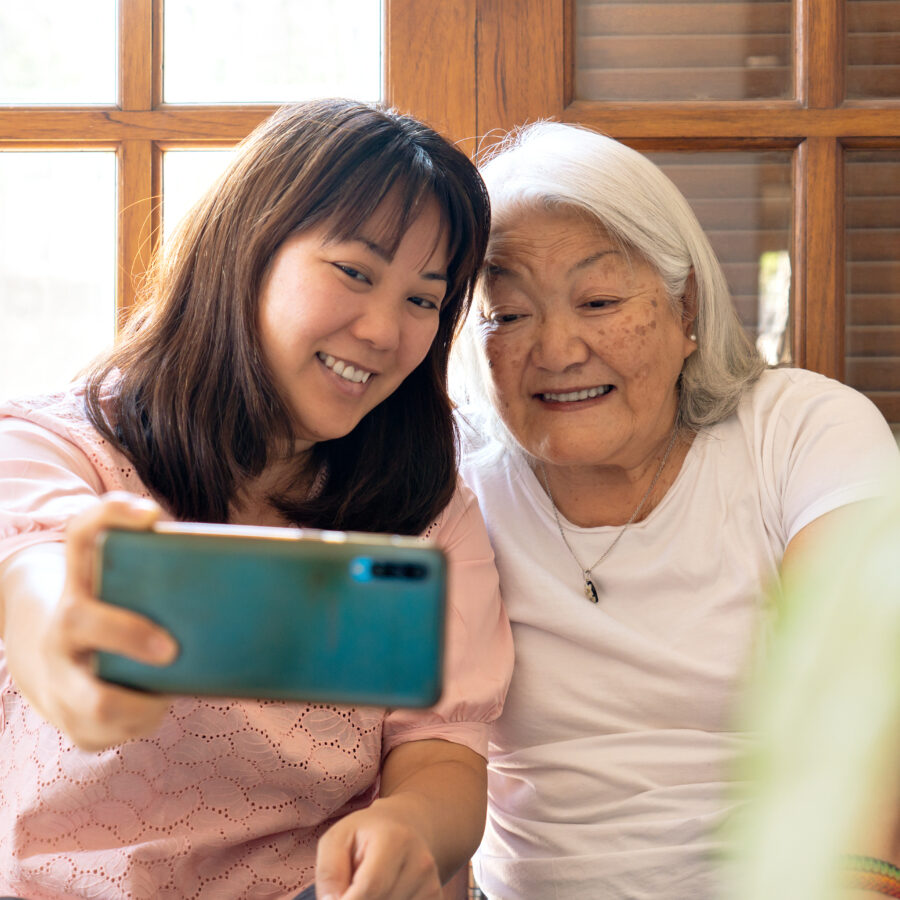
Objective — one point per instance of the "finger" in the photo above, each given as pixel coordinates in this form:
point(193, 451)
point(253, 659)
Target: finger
point(107, 715)
point(334, 862)
point(86, 626)
point(117, 509)
point(381, 872)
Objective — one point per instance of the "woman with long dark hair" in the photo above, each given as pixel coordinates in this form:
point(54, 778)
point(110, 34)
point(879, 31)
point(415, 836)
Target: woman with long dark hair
point(287, 367)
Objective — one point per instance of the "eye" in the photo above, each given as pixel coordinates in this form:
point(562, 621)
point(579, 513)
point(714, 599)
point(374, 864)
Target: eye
point(499, 318)
point(350, 272)
point(423, 302)
point(602, 303)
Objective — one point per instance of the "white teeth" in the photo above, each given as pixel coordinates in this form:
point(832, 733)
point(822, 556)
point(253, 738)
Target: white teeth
point(345, 370)
point(574, 396)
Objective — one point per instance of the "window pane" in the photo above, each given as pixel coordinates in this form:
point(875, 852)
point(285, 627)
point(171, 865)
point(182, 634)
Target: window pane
point(57, 51)
point(743, 203)
point(873, 277)
point(186, 175)
point(258, 51)
point(57, 265)
point(873, 48)
point(667, 50)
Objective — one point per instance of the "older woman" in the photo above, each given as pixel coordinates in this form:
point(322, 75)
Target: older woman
point(645, 479)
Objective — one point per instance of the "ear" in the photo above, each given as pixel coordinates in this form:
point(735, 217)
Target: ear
point(689, 314)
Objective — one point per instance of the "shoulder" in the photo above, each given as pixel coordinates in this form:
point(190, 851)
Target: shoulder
point(796, 393)
point(56, 419)
point(459, 518)
point(798, 406)
point(787, 410)
point(62, 413)
point(816, 445)
point(57, 425)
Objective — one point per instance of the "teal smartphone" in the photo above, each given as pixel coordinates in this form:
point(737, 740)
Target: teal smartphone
point(280, 613)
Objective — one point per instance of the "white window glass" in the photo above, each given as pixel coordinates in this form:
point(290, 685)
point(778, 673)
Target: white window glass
point(58, 51)
point(186, 175)
point(57, 265)
point(265, 51)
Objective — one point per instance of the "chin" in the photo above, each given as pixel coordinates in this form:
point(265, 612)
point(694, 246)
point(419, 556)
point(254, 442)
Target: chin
point(572, 456)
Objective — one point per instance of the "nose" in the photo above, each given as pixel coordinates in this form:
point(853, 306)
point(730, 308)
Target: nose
point(560, 343)
point(378, 321)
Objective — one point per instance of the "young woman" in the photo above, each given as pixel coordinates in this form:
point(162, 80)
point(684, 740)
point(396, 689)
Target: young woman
point(287, 368)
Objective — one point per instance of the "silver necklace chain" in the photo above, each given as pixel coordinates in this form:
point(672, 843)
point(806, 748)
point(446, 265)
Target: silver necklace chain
point(590, 589)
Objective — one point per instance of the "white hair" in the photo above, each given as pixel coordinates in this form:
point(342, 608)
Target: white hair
point(550, 165)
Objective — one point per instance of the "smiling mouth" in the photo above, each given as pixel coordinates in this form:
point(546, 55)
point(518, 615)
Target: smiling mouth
point(575, 396)
point(344, 369)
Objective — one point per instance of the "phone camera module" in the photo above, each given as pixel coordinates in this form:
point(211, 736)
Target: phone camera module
point(362, 569)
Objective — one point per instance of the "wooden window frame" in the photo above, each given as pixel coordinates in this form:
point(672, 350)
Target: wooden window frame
point(140, 127)
point(523, 65)
point(475, 68)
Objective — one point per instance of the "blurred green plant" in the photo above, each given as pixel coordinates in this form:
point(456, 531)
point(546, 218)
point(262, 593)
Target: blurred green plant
point(826, 706)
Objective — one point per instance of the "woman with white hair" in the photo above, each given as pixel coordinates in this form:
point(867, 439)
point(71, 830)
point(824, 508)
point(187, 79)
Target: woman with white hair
point(645, 480)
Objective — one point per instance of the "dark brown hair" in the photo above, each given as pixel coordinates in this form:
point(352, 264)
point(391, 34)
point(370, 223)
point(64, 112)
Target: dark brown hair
point(186, 394)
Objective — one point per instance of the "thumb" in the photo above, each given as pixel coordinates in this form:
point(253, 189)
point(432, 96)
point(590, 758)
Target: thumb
point(334, 863)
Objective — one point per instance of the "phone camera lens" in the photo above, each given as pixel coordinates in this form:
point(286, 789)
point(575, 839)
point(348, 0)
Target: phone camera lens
point(400, 571)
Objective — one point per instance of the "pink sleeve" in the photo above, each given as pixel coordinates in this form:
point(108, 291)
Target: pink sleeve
point(44, 481)
point(479, 651)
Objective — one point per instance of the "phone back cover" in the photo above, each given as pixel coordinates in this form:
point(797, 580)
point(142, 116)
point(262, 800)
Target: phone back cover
point(275, 619)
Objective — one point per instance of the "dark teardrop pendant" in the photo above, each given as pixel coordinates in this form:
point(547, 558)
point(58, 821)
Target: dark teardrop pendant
point(590, 591)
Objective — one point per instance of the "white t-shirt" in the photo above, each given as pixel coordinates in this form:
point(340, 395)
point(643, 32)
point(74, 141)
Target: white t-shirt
point(610, 765)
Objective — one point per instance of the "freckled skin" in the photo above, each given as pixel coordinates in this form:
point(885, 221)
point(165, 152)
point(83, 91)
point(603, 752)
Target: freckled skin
point(565, 310)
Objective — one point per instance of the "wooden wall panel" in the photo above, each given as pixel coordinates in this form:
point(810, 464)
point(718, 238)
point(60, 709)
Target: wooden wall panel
point(138, 182)
point(872, 209)
point(438, 87)
point(743, 202)
point(685, 51)
point(522, 64)
point(672, 17)
point(823, 335)
point(138, 225)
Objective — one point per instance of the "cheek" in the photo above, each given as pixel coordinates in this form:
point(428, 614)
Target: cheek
point(417, 342)
point(506, 362)
point(644, 341)
point(628, 343)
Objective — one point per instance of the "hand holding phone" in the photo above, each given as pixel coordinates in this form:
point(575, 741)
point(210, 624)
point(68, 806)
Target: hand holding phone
point(281, 613)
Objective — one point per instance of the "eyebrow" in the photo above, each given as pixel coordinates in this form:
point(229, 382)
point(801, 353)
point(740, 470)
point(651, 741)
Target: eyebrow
point(500, 269)
point(590, 260)
point(384, 254)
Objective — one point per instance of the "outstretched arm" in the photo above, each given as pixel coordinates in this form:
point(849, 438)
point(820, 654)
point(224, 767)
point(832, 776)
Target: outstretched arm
point(51, 624)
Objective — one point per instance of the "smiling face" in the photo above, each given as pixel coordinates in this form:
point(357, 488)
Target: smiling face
point(343, 322)
point(583, 345)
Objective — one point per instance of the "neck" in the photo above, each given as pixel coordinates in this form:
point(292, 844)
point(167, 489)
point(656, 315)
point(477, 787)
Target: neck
point(593, 496)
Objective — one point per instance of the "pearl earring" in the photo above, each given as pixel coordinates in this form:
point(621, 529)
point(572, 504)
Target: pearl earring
point(694, 338)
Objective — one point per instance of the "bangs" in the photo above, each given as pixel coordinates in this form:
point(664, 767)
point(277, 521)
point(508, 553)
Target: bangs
point(396, 193)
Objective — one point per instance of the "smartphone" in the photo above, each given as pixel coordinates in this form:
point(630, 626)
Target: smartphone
point(281, 613)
